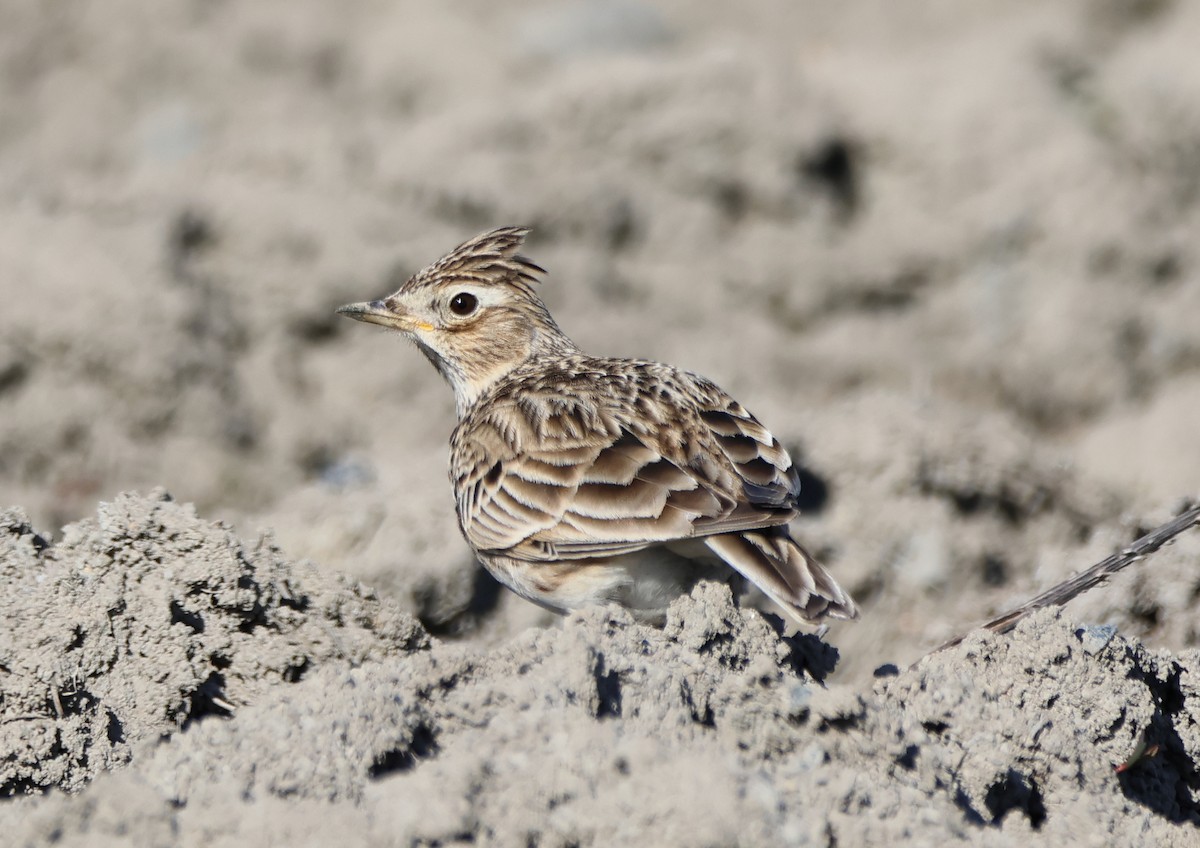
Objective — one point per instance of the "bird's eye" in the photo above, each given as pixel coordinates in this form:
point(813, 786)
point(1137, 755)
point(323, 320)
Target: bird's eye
point(463, 303)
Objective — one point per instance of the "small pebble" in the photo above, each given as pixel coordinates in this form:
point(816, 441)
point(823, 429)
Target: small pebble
point(799, 697)
point(812, 757)
point(1094, 637)
point(346, 474)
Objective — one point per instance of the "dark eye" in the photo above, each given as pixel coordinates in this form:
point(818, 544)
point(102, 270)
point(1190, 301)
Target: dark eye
point(463, 303)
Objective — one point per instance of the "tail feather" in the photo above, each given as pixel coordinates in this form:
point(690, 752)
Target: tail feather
point(787, 573)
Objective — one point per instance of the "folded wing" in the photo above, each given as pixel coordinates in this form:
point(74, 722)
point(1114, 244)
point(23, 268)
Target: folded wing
point(578, 477)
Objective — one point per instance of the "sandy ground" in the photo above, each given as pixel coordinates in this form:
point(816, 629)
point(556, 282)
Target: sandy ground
point(947, 252)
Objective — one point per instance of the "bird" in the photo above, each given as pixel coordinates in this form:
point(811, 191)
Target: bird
point(582, 480)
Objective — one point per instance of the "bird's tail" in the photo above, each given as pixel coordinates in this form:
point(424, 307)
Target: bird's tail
point(788, 574)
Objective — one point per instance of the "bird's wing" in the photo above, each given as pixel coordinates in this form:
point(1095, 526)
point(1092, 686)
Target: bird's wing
point(627, 464)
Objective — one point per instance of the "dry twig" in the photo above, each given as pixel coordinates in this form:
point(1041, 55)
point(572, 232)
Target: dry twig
point(1097, 574)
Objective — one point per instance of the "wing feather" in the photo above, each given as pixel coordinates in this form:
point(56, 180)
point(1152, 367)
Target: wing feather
point(645, 458)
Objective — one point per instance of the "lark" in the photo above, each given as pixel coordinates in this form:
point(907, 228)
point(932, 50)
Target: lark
point(584, 480)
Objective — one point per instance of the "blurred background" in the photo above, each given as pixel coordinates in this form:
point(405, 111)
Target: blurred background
point(947, 252)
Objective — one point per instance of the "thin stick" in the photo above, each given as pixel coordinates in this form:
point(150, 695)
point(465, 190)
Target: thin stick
point(1097, 574)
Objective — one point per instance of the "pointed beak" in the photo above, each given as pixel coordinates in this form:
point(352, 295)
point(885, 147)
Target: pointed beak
point(377, 312)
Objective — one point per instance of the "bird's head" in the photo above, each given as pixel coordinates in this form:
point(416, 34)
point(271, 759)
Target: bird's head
point(474, 313)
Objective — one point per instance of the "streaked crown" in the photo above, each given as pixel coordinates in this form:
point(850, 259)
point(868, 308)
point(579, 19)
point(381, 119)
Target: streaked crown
point(490, 258)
